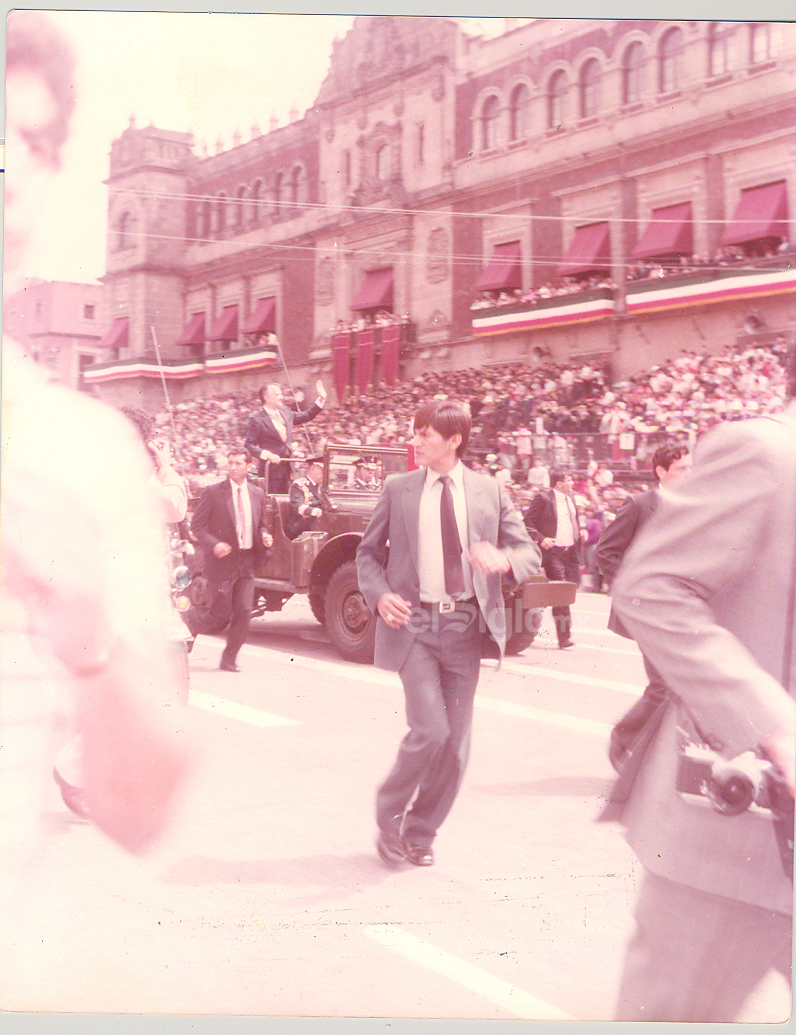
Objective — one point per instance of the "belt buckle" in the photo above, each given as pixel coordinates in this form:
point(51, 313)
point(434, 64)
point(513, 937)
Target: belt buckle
point(447, 606)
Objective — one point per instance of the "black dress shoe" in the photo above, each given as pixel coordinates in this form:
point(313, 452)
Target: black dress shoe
point(418, 855)
point(390, 848)
point(229, 666)
point(565, 644)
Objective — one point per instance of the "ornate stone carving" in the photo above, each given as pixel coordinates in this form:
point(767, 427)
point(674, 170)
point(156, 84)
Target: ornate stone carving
point(324, 290)
point(437, 257)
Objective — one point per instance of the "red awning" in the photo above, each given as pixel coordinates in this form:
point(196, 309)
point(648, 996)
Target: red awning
point(263, 319)
point(761, 212)
point(116, 338)
point(669, 233)
point(589, 251)
point(226, 326)
point(193, 333)
point(376, 292)
point(504, 272)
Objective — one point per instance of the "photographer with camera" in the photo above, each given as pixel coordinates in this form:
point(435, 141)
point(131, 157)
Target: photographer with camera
point(708, 592)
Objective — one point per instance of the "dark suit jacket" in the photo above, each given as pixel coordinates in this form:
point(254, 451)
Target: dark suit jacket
point(617, 537)
point(491, 517)
point(541, 517)
point(214, 522)
point(261, 433)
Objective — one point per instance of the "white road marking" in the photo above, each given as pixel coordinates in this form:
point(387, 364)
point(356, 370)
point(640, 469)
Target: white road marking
point(241, 712)
point(572, 677)
point(524, 711)
point(510, 998)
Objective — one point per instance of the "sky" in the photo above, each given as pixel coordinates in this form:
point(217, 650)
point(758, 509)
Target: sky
point(211, 74)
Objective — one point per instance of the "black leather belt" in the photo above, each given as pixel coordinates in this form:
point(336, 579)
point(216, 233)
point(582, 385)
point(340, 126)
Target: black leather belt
point(446, 607)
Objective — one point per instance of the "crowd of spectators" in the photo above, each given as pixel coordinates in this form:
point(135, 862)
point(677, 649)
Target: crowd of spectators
point(650, 269)
point(569, 415)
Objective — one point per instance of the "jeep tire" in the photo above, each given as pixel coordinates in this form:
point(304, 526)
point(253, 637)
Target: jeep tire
point(350, 623)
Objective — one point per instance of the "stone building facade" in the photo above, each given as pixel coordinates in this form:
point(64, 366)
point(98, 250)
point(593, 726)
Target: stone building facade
point(59, 325)
point(619, 189)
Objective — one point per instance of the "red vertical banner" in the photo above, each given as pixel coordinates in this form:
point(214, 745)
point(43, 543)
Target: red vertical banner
point(390, 352)
point(366, 351)
point(341, 352)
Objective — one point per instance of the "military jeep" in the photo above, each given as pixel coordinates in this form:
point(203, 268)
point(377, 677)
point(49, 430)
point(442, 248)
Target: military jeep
point(321, 562)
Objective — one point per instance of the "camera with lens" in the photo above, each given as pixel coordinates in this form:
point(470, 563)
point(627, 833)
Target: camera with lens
point(731, 785)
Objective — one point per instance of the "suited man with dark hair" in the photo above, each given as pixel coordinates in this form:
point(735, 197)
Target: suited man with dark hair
point(229, 523)
point(452, 534)
point(552, 519)
point(669, 461)
point(269, 435)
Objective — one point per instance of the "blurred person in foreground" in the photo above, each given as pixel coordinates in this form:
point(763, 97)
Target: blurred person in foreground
point(452, 534)
point(669, 462)
point(82, 581)
point(708, 590)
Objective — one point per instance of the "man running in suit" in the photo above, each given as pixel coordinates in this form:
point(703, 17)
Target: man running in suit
point(229, 522)
point(708, 591)
point(269, 435)
point(452, 534)
point(669, 461)
point(552, 519)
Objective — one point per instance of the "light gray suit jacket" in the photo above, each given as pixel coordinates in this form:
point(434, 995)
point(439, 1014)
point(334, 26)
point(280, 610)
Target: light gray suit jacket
point(491, 517)
point(707, 591)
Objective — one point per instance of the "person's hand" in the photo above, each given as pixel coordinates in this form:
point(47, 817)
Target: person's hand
point(161, 451)
point(547, 544)
point(486, 557)
point(394, 609)
point(779, 747)
point(320, 391)
point(584, 535)
point(315, 512)
point(222, 550)
point(268, 539)
point(272, 458)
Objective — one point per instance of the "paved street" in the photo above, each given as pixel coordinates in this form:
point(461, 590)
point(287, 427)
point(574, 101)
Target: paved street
point(267, 897)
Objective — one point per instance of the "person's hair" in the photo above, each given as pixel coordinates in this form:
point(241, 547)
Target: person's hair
point(556, 477)
point(35, 45)
point(665, 455)
point(264, 390)
point(447, 419)
point(142, 421)
point(239, 451)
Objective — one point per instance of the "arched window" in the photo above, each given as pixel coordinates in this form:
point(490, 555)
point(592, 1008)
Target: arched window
point(633, 73)
point(721, 48)
point(520, 113)
point(126, 231)
point(298, 184)
point(240, 209)
point(759, 45)
point(257, 214)
point(557, 89)
point(279, 190)
point(206, 223)
point(220, 213)
point(671, 61)
point(383, 162)
point(490, 114)
point(590, 77)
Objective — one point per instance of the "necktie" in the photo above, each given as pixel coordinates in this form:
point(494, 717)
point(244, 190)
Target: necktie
point(241, 520)
point(278, 422)
point(451, 543)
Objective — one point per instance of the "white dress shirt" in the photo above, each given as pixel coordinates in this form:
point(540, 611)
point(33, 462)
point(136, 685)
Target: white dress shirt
point(429, 549)
point(565, 527)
